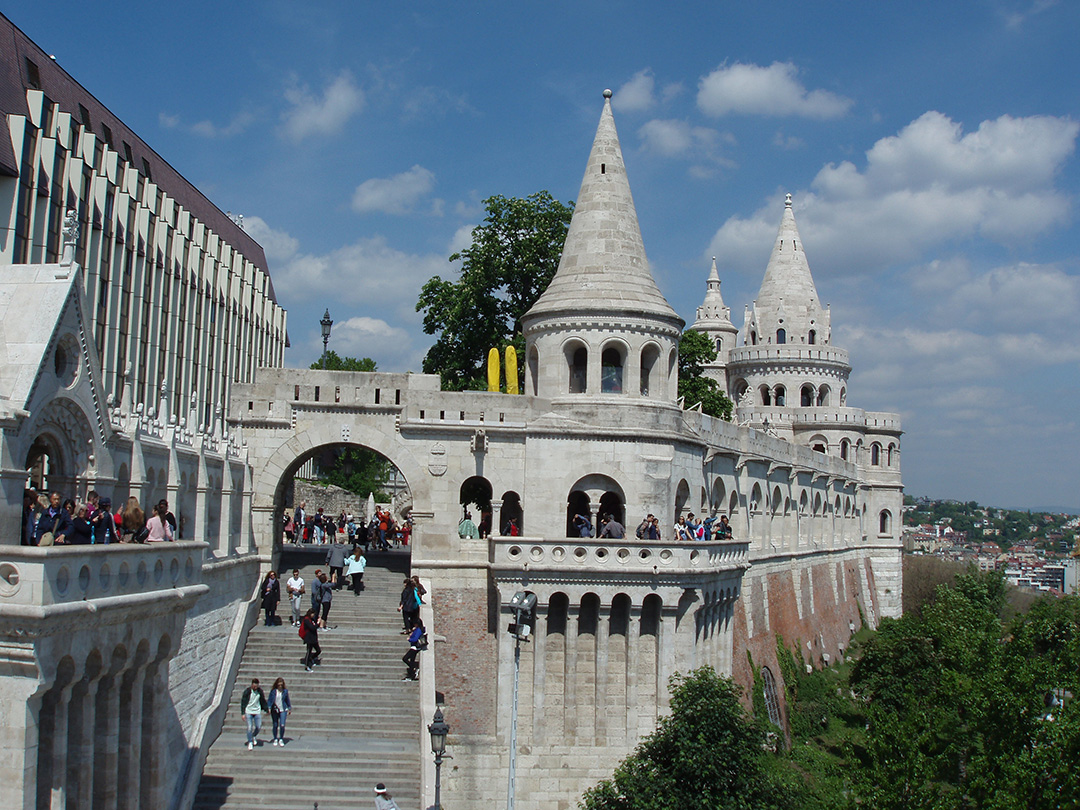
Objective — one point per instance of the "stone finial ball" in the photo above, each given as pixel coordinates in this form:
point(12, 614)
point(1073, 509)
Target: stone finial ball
point(607, 94)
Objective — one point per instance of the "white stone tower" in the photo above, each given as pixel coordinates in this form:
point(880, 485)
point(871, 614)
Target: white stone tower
point(602, 327)
point(786, 361)
point(714, 321)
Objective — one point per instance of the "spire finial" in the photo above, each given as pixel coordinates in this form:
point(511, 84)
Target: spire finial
point(608, 94)
point(787, 201)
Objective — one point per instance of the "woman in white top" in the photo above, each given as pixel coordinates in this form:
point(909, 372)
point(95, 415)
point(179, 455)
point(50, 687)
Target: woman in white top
point(159, 528)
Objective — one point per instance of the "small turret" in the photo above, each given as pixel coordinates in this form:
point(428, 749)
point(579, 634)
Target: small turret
point(714, 321)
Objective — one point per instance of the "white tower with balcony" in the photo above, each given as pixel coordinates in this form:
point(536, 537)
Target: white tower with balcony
point(714, 321)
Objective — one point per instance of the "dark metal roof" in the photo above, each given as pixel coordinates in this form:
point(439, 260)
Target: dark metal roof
point(16, 52)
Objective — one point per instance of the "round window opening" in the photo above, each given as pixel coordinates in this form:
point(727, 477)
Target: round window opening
point(65, 361)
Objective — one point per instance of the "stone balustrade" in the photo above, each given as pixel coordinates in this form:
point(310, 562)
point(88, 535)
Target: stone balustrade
point(568, 556)
point(59, 575)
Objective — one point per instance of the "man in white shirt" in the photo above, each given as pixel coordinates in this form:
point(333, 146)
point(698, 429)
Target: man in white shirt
point(295, 588)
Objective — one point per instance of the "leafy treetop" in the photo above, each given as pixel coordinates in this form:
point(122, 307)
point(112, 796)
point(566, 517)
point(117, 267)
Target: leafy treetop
point(695, 350)
point(336, 363)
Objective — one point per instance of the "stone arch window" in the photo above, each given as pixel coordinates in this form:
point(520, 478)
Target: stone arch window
point(719, 346)
point(557, 611)
point(753, 338)
point(823, 395)
point(806, 396)
point(476, 492)
point(817, 503)
point(511, 511)
point(650, 359)
point(844, 445)
point(739, 389)
point(804, 503)
point(812, 337)
point(780, 396)
point(611, 503)
point(578, 503)
point(718, 495)
point(837, 508)
point(884, 522)
point(672, 372)
point(772, 702)
point(781, 335)
point(889, 458)
point(875, 454)
point(847, 506)
point(843, 397)
point(588, 614)
point(611, 370)
point(682, 498)
point(766, 395)
point(858, 452)
point(650, 615)
point(755, 500)
point(733, 503)
point(533, 367)
point(777, 500)
point(577, 358)
point(619, 616)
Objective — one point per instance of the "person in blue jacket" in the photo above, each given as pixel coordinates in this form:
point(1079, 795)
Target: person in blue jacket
point(280, 709)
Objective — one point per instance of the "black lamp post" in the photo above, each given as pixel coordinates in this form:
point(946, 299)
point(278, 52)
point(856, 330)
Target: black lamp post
point(438, 731)
point(325, 323)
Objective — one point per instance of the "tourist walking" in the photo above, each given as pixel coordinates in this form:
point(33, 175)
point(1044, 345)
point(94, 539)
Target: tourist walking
point(409, 605)
point(417, 642)
point(335, 560)
point(271, 595)
point(280, 709)
point(252, 705)
point(354, 568)
point(323, 593)
point(295, 588)
point(383, 800)
point(309, 632)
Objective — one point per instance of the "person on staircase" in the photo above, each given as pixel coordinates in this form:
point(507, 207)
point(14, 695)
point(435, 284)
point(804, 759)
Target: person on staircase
point(280, 709)
point(335, 560)
point(409, 606)
point(296, 590)
point(383, 800)
point(271, 595)
point(417, 643)
point(309, 632)
point(354, 568)
point(323, 594)
point(252, 705)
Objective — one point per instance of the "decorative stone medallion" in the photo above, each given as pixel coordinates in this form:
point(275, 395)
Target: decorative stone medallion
point(437, 459)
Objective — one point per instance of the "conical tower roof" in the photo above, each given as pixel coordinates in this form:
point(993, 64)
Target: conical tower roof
point(712, 313)
point(603, 266)
point(788, 299)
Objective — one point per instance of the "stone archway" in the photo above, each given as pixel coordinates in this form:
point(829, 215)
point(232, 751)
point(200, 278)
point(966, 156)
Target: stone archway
point(271, 478)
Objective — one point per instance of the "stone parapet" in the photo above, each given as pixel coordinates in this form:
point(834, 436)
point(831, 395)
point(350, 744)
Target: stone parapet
point(788, 353)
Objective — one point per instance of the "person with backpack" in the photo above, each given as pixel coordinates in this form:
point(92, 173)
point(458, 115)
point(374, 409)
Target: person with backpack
point(322, 593)
point(417, 643)
point(409, 606)
point(309, 634)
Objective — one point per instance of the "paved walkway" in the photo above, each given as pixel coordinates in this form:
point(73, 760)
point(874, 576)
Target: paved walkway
point(354, 721)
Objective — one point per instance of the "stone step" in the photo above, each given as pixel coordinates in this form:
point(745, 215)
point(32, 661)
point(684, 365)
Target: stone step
point(355, 722)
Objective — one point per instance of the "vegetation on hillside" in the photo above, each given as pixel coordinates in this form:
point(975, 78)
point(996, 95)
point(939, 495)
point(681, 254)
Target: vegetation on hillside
point(1006, 527)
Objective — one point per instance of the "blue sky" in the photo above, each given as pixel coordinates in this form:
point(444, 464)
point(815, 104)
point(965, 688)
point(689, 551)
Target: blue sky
point(930, 149)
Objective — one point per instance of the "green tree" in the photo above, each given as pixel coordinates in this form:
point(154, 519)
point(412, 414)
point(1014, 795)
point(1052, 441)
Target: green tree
point(513, 257)
point(706, 754)
point(695, 350)
point(356, 469)
point(336, 363)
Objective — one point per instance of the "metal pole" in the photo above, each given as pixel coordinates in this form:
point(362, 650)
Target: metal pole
point(513, 725)
point(325, 340)
point(438, 768)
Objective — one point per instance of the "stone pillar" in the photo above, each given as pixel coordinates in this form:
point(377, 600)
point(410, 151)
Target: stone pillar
point(225, 527)
point(59, 756)
point(152, 778)
point(603, 623)
point(666, 642)
point(539, 671)
point(80, 779)
point(594, 511)
point(130, 747)
point(496, 518)
point(107, 742)
point(12, 486)
point(505, 694)
point(573, 613)
point(633, 655)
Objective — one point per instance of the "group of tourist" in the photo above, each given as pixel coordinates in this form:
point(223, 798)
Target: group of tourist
point(382, 531)
point(686, 528)
point(57, 521)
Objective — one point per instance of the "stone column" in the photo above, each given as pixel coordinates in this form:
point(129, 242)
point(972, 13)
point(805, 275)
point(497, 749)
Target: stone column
point(666, 641)
point(496, 518)
point(59, 756)
point(505, 688)
point(570, 720)
point(594, 511)
point(539, 671)
point(107, 741)
point(225, 527)
point(80, 779)
point(152, 779)
point(130, 747)
point(603, 623)
point(633, 655)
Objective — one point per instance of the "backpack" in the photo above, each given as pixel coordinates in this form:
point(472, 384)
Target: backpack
point(303, 630)
point(422, 642)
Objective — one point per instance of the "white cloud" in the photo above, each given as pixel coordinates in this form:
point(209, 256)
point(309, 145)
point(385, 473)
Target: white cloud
point(326, 114)
point(774, 90)
point(675, 138)
point(637, 94)
point(462, 239)
point(393, 195)
point(167, 121)
point(207, 129)
point(786, 142)
point(278, 246)
point(390, 346)
point(926, 185)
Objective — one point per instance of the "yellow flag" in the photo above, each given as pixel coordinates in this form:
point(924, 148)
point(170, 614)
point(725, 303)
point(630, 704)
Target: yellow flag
point(493, 370)
point(511, 370)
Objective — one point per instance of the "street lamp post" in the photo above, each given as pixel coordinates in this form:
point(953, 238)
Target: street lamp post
point(325, 323)
point(523, 604)
point(438, 731)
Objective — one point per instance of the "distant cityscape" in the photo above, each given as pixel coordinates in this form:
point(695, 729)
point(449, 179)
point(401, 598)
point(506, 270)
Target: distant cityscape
point(1032, 549)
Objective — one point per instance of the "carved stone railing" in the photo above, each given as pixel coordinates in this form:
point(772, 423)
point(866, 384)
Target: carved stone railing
point(45, 577)
point(613, 558)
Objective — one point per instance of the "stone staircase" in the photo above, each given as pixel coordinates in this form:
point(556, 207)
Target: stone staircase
point(354, 721)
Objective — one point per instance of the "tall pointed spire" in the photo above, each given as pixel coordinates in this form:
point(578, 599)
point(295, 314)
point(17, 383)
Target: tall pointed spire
point(787, 308)
point(603, 265)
